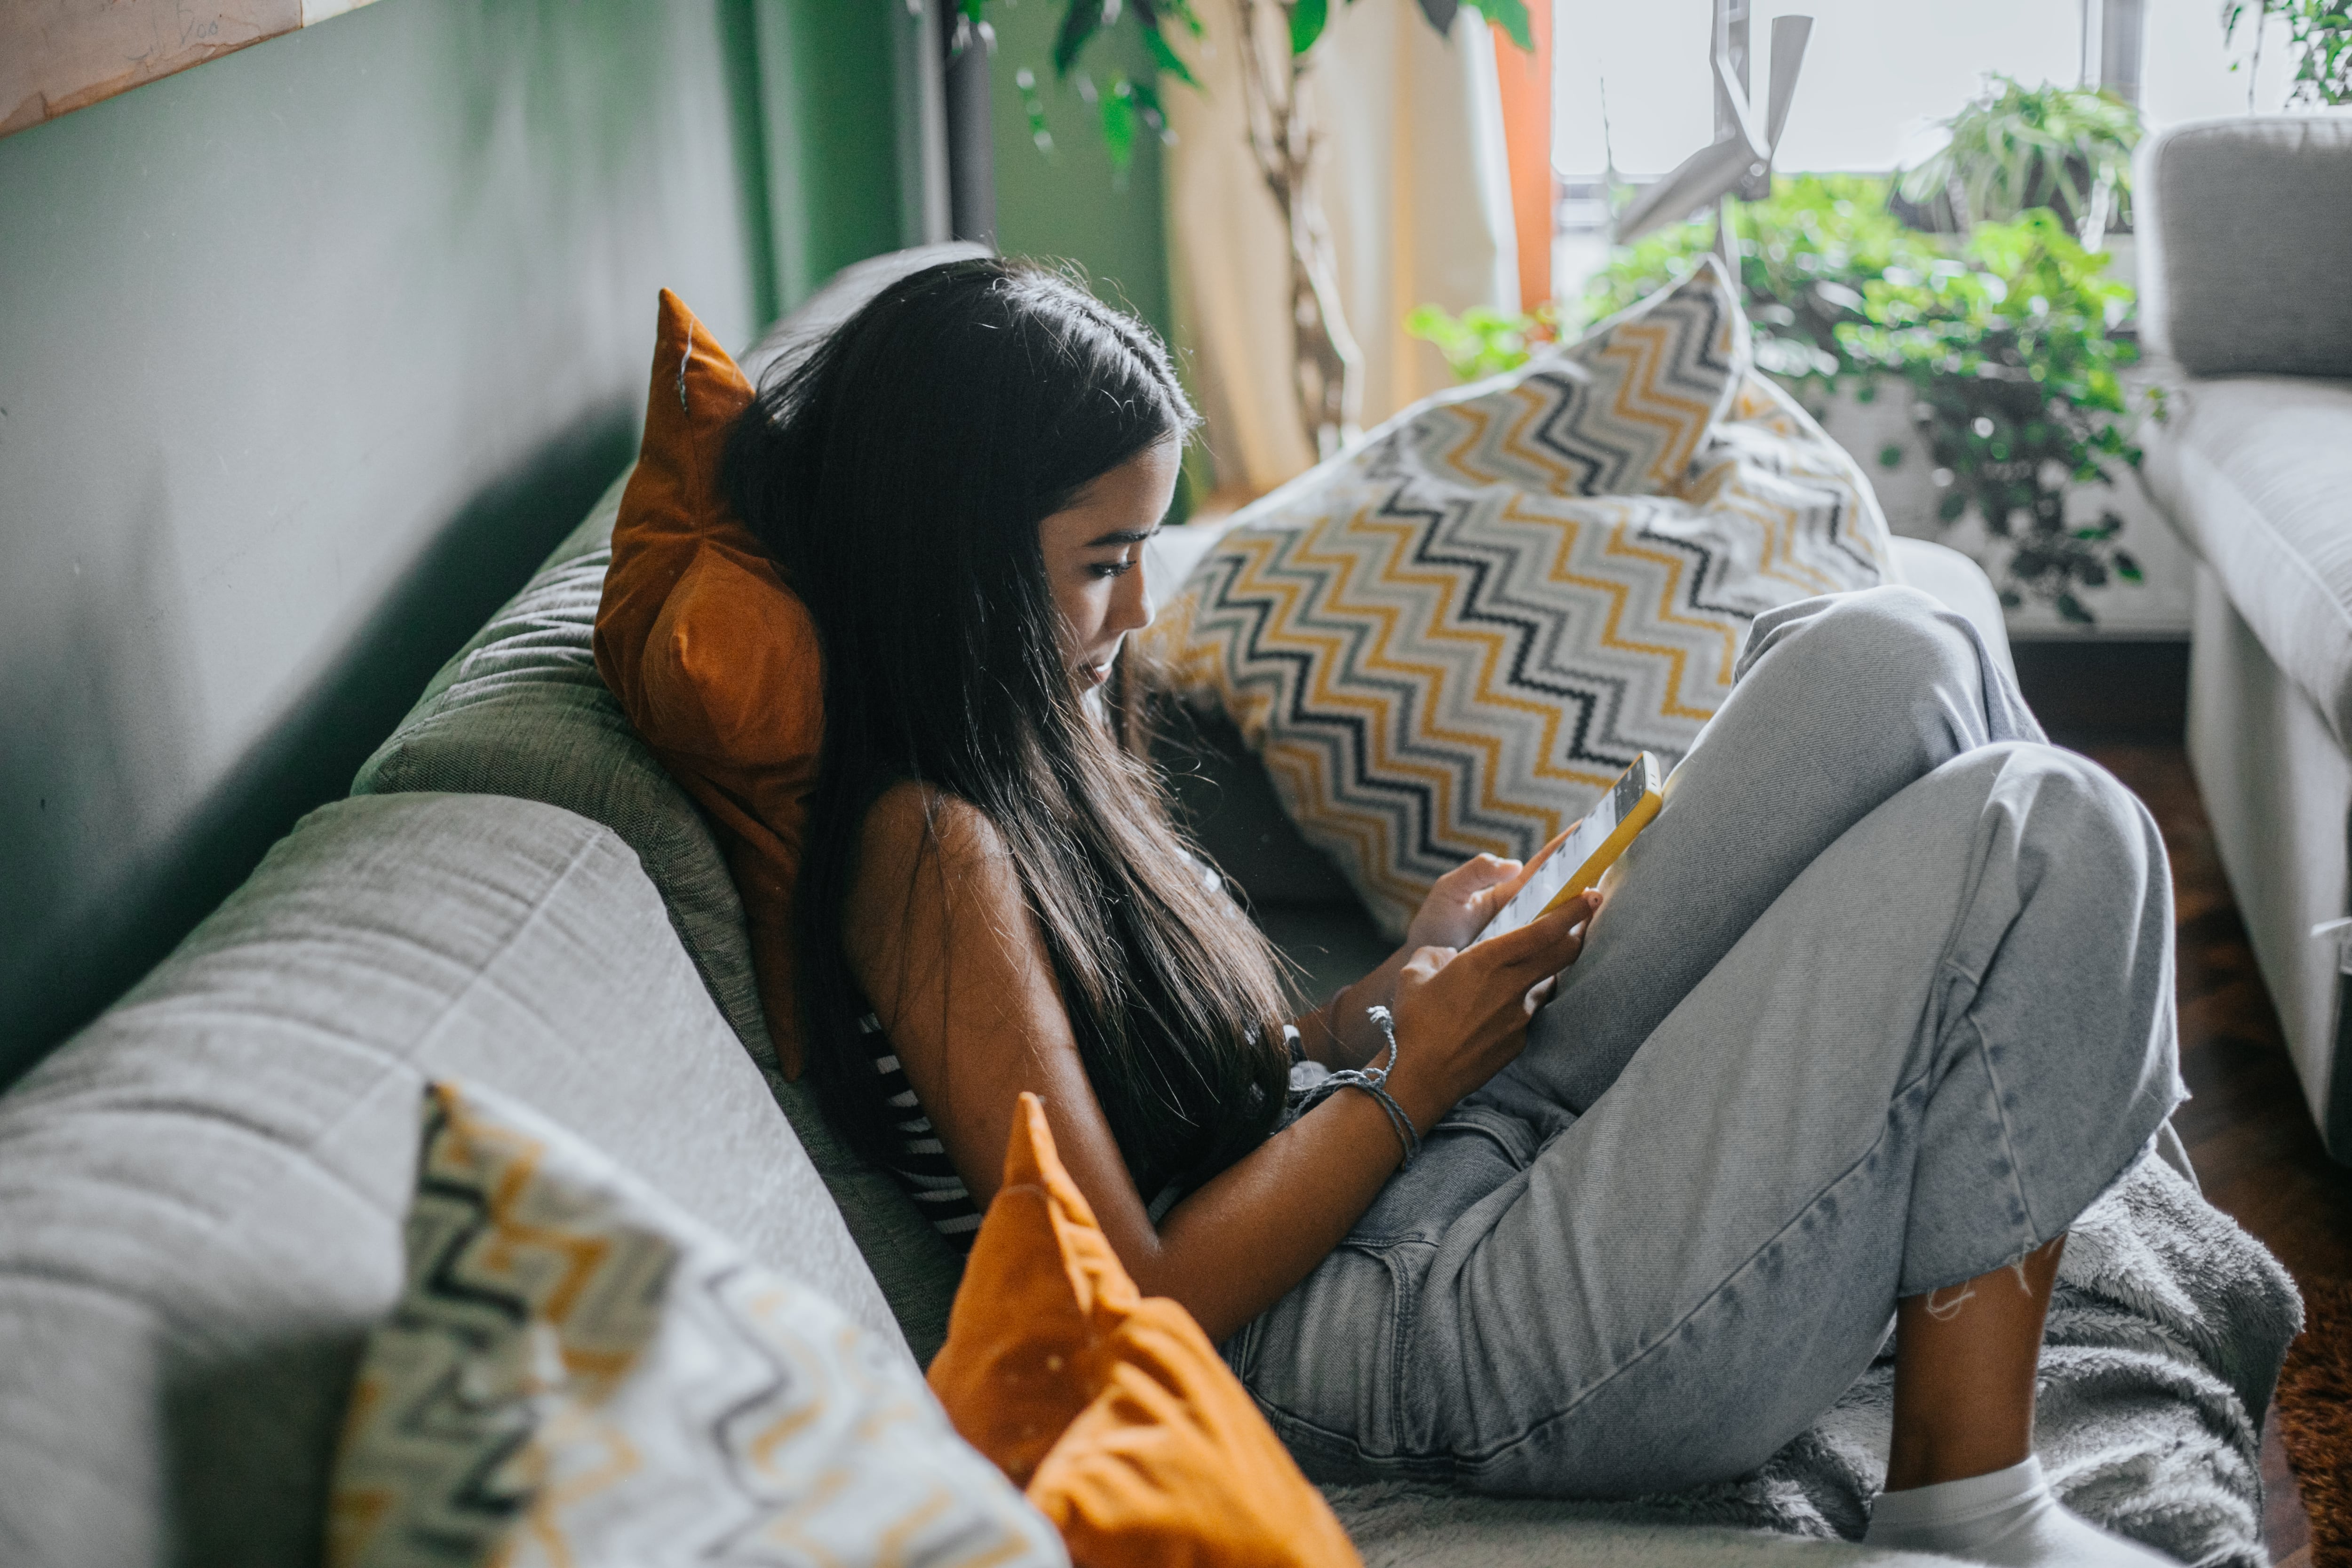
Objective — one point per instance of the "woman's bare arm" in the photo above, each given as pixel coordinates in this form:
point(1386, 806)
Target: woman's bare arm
point(941, 940)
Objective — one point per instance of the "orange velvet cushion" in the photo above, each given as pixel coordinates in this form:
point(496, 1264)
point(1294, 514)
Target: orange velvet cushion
point(1112, 1409)
point(713, 658)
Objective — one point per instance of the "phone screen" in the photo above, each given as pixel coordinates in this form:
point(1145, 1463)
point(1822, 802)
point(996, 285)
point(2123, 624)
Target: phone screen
point(1575, 860)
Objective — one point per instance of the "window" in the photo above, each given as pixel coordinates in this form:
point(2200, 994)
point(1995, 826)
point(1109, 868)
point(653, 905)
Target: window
point(1875, 73)
point(1878, 75)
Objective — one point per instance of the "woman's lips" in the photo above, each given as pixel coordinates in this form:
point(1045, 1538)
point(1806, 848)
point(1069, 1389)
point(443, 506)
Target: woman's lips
point(1096, 674)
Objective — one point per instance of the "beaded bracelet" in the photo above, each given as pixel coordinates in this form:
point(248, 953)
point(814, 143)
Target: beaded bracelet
point(1374, 1081)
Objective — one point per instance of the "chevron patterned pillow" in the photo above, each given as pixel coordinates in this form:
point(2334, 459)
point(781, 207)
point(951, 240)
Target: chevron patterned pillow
point(1452, 637)
point(580, 1372)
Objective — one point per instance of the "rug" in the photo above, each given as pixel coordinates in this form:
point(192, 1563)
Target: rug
point(2314, 1403)
point(2165, 1330)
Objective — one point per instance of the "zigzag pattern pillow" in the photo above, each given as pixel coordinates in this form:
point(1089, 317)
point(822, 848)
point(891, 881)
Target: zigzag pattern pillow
point(1454, 638)
point(579, 1373)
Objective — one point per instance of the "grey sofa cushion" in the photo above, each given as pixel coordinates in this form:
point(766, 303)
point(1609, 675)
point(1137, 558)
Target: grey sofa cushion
point(201, 1195)
point(2245, 226)
point(2257, 472)
point(522, 712)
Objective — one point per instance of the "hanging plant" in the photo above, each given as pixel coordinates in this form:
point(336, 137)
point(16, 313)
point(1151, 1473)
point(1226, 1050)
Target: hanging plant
point(1130, 106)
point(1327, 366)
point(2320, 33)
point(2015, 148)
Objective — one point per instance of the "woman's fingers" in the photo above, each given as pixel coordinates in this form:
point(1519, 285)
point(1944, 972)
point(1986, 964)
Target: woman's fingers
point(1541, 996)
point(1426, 962)
point(1481, 871)
point(1478, 884)
point(1547, 944)
point(1463, 899)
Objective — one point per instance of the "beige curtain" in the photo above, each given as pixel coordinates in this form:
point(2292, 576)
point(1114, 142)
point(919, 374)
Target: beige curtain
point(1416, 185)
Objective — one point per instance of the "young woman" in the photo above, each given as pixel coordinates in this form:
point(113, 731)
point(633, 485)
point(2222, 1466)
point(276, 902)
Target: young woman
point(1878, 1005)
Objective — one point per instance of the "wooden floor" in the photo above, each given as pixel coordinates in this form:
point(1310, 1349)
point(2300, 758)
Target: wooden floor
point(2257, 1152)
point(2251, 1137)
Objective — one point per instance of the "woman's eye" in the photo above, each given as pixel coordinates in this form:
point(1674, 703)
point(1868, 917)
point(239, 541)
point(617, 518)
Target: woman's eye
point(1112, 568)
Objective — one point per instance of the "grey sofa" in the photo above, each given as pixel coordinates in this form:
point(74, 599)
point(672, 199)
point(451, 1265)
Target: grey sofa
point(2246, 260)
point(201, 1195)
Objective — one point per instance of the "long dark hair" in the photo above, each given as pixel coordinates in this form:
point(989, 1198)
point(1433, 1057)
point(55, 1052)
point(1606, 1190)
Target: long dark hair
point(897, 478)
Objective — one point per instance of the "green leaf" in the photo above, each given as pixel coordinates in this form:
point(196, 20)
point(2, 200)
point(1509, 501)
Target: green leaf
point(1307, 20)
point(1148, 107)
point(1948, 510)
point(1167, 58)
point(1480, 343)
point(1151, 13)
point(2071, 609)
point(2128, 568)
point(1890, 456)
point(1511, 16)
point(1080, 23)
point(1118, 123)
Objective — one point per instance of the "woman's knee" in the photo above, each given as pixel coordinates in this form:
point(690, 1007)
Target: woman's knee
point(2084, 899)
point(1871, 626)
point(1891, 637)
point(2062, 1059)
point(2069, 812)
point(2060, 810)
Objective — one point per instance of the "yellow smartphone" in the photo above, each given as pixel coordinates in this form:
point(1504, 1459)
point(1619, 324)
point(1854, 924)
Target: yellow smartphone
point(1574, 861)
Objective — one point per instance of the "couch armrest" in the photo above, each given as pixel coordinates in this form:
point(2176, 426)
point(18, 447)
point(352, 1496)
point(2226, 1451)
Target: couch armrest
point(2245, 226)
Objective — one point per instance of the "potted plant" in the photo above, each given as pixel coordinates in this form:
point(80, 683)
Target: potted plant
point(2008, 340)
point(2015, 148)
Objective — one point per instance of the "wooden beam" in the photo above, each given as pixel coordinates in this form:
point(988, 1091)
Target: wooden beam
point(57, 56)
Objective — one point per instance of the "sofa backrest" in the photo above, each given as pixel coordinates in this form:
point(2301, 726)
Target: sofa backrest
point(2244, 228)
point(522, 712)
point(202, 1195)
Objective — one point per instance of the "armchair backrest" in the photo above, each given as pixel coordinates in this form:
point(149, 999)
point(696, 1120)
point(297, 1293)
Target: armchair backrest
point(2245, 234)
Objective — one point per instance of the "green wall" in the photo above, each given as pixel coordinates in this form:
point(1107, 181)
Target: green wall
point(306, 355)
point(1068, 203)
point(829, 76)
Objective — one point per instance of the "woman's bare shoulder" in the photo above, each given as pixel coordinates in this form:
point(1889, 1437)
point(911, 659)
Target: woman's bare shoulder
point(914, 827)
point(928, 860)
point(940, 935)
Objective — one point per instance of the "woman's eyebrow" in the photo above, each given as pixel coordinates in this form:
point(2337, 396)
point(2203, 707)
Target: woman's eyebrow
point(1122, 536)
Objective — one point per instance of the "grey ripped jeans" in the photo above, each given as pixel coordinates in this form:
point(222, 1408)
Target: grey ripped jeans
point(1883, 1002)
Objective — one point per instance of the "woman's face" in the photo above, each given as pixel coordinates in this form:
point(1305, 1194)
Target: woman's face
point(1093, 557)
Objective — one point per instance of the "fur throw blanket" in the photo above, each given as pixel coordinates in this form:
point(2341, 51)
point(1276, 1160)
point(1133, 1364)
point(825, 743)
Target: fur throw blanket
point(2164, 1337)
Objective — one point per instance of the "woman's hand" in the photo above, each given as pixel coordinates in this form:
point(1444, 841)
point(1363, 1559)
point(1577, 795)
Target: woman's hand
point(1460, 903)
point(1462, 1016)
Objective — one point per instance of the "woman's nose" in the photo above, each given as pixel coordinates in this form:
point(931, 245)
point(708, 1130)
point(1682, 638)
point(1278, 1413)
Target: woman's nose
point(1131, 606)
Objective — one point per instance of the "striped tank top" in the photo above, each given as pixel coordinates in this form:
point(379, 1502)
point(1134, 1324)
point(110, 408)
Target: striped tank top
point(919, 1161)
